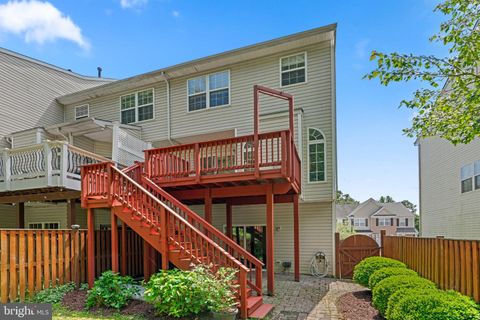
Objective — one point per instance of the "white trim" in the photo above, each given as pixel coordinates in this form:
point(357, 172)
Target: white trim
point(85, 116)
point(137, 106)
point(324, 156)
point(305, 67)
point(207, 91)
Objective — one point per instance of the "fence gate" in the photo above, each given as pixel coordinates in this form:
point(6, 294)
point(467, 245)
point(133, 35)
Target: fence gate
point(351, 251)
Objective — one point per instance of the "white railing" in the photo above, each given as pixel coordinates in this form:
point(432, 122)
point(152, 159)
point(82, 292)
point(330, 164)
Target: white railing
point(48, 164)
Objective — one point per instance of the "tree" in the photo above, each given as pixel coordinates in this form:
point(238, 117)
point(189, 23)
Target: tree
point(344, 198)
point(386, 199)
point(410, 206)
point(448, 105)
point(345, 230)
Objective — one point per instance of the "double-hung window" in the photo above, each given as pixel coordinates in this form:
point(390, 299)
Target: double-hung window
point(466, 176)
point(137, 107)
point(403, 222)
point(81, 112)
point(360, 222)
point(316, 155)
point(384, 222)
point(477, 174)
point(293, 69)
point(209, 91)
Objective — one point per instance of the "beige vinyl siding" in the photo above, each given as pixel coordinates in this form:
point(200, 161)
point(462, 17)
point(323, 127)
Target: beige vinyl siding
point(444, 210)
point(102, 217)
point(103, 148)
point(314, 97)
point(39, 212)
point(315, 229)
point(30, 88)
point(84, 143)
point(8, 216)
point(25, 138)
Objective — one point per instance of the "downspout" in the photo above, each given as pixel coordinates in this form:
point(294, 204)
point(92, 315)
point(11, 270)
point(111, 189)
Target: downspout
point(169, 120)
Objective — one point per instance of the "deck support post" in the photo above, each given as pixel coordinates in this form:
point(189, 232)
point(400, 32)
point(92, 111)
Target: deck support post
point(270, 241)
point(114, 228)
point(124, 249)
point(146, 260)
point(229, 221)
point(71, 212)
point(208, 205)
point(296, 238)
point(91, 247)
point(164, 237)
point(21, 215)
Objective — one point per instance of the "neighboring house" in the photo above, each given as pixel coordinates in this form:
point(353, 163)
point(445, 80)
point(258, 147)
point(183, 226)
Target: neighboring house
point(371, 216)
point(183, 106)
point(449, 188)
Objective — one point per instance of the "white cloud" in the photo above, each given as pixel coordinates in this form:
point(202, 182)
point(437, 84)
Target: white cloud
point(176, 13)
point(39, 22)
point(361, 48)
point(127, 4)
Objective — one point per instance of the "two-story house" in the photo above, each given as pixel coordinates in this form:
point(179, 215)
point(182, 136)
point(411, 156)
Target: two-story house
point(449, 188)
point(209, 141)
point(371, 217)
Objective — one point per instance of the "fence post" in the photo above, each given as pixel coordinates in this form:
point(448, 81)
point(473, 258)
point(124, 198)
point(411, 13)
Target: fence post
point(76, 252)
point(383, 234)
point(439, 263)
point(337, 255)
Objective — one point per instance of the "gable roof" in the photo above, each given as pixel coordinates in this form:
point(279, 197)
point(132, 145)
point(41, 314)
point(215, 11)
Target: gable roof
point(372, 207)
point(343, 210)
point(258, 50)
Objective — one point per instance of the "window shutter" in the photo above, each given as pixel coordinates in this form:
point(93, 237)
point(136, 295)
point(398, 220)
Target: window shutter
point(398, 222)
point(377, 222)
point(352, 222)
point(366, 222)
point(406, 222)
point(391, 222)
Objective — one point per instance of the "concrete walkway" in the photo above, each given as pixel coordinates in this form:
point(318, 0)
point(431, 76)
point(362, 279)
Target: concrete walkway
point(312, 298)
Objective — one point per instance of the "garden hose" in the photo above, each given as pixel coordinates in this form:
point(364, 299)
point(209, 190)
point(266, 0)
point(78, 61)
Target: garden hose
point(319, 265)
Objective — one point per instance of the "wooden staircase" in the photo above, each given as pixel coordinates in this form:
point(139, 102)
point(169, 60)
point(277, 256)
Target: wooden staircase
point(170, 227)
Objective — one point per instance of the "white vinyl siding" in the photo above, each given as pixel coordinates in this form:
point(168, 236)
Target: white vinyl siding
point(81, 112)
point(137, 107)
point(209, 91)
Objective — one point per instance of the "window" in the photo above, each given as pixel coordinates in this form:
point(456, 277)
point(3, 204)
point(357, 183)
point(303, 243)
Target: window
point(360, 222)
point(209, 91)
point(467, 178)
point(384, 222)
point(81, 112)
point(403, 222)
point(45, 225)
point(316, 155)
point(293, 69)
point(137, 107)
point(477, 174)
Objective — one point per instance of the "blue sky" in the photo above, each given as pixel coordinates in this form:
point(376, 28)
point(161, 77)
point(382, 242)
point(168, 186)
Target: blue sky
point(128, 37)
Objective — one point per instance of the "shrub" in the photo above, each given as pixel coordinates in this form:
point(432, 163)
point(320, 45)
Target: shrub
point(432, 304)
point(111, 290)
point(399, 294)
point(384, 273)
point(53, 294)
point(385, 288)
point(221, 288)
point(366, 267)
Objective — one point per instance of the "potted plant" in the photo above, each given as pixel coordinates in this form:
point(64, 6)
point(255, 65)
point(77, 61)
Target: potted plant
point(222, 300)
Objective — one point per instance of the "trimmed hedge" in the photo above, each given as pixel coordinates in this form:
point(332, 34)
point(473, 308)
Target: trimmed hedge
point(384, 273)
point(431, 304)
point(366, 267)
point(388, 286)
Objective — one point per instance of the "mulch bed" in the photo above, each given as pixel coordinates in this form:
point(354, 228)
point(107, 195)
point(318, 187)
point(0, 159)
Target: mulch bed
point(75, 301)
point(358, 306)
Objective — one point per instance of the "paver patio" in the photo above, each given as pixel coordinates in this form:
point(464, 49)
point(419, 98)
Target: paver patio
point(312, 298)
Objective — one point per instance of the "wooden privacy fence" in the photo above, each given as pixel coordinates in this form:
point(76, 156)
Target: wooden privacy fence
point(31, 260)
point(451, 264)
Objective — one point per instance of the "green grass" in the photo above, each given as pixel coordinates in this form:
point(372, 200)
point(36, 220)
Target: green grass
point(60, 312)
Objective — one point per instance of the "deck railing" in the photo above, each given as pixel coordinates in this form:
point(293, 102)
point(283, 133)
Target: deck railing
point(274, 152)
point(48, 164)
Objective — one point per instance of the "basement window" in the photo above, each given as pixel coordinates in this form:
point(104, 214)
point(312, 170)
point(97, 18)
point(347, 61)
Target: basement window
point(81, 112)
point(466, 176)
point(293, 69)
point(209, 91)
point(44, 225)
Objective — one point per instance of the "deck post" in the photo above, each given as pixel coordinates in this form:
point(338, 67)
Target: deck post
point(164, 237)
point(21, 215)
point(229, 221)
point(270, 240)
point(71, 212)
point(114, 228)
point(146, 260)
point(124, 248)
point(296, 238)
point(91, 247)
point(208, 205)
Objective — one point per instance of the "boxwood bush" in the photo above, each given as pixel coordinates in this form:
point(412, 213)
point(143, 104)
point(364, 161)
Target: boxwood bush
point(399, 294)
point(366, 267)
point(111, 290)
point(384, 273)
point(388, 286)
point(431, 304)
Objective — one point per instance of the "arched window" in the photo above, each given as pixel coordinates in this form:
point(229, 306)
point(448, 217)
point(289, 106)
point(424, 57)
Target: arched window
point(316, 155)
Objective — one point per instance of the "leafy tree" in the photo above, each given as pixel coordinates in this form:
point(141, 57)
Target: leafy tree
point(344, 198)
point(386, 199)
point(410, 206)
point(345, 230)
point(448, 105)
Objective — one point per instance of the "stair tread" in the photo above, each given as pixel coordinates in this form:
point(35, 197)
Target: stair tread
point(262, 311)
point(252, 301)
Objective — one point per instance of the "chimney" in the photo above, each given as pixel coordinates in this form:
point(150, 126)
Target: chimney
point(99, 69)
